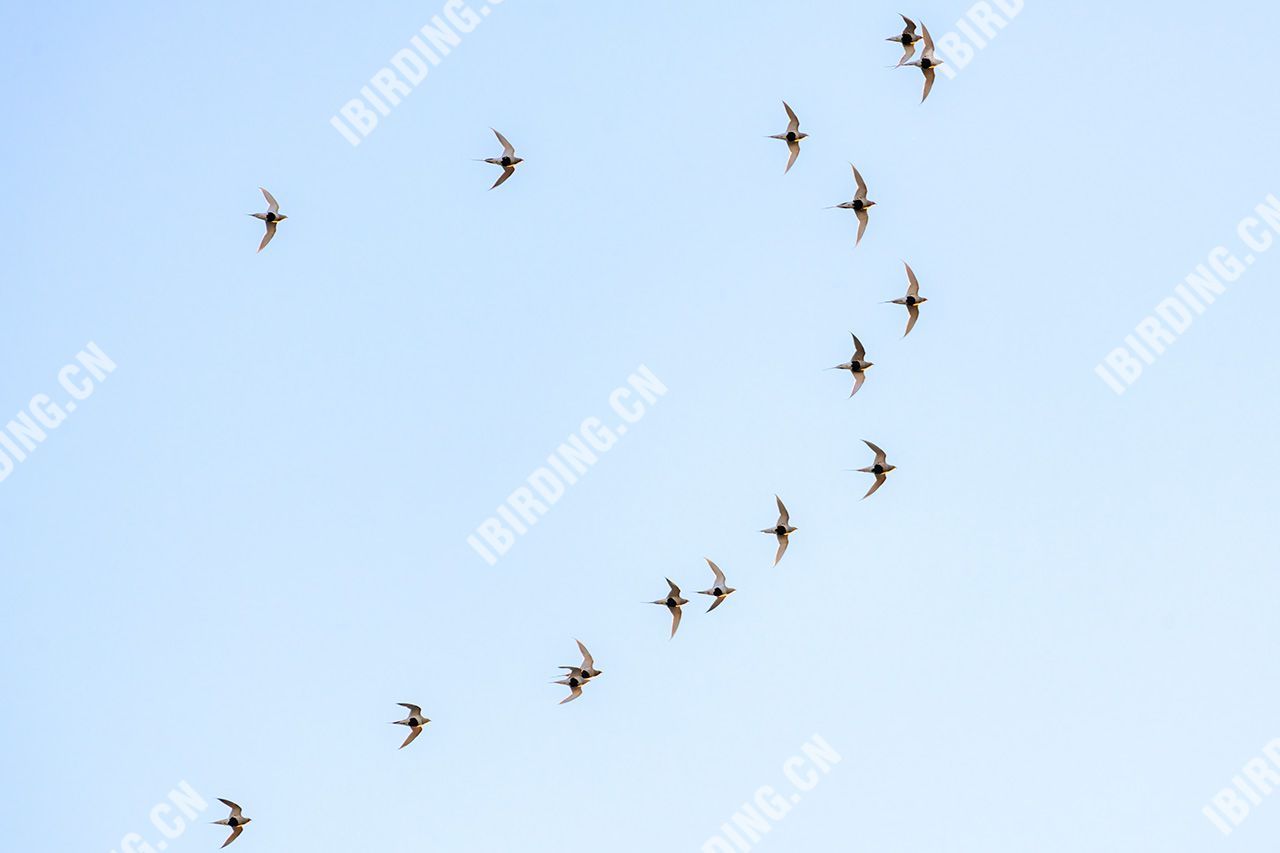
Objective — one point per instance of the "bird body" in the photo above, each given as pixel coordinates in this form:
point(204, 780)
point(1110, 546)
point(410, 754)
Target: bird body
point(673, 602)
point(859, 204)
point(508, 161)
point(720, 589)
point(782, 530)
point(587, 670)
point(907, 39)
point(913, 300)
point(926, 63)
point(880, 468)
point(858, 365)
point(271, 218)
point(792, 137)
point(236, 821)
point(415, 721)
point(577, 676)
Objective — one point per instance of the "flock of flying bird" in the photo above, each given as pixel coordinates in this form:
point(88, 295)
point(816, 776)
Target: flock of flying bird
point(576, 677)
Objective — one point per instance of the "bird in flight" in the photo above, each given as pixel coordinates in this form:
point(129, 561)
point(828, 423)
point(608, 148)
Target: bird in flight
point(926, 63)
point(907, 39)
point(782, 529)
point(508, 161)
point(857, 365)
point(859, 205)
point(792, 136)
point(913, 300)
point(588, 670)
point(577, 676)
point(575, 687)
point(415, 721)
point(672, 602)
point(720, 590)
point(236, 821)
point(271, 217)
point(881, 469)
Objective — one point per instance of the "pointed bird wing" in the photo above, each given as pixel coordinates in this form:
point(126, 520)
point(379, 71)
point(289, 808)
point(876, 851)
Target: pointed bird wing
point(266, 238)
point(716, 603)
point(911, 25)
point(784, 517)
point(575, 691)
point(795, 152)
point(782, 549)
point(862, 185)
point(235, 810)
point(587, 661)
point(508, 150)
point(880, 455)
point(720, 581)
point(863, 218)
point(794, 123)
point(272, 206)
point(913, 286)
point(929, 76)
point(908, 51)
point(413, 733)
point(880, 478)
point(858, 379)
point(235, 833)
point(675, 590)
point(913, 314)
point(506, 173)
point(414, 709)
point(675, 620)
point(859, 351)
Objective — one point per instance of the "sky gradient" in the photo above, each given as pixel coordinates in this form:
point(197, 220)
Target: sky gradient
point(1054, 628)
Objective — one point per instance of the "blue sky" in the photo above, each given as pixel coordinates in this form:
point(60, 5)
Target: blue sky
point(1054, 628)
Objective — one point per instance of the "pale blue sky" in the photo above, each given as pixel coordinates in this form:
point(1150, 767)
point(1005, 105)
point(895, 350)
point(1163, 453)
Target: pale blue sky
point(1054, 629)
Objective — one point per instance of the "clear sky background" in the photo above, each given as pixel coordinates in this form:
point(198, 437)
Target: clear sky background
point(1054, 629)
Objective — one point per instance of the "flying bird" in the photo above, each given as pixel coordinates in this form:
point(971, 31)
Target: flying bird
point(237, 820)
point(271, 217)
point(508, 161)
point(415, 721)
point(881, 469)
point(720, 590)
point(792, 136)
point(782, 529)
point(672, 602)
point(907, 39)
point(926, 63)
point(588, 670)
point(913, 300)
point(859, 205)
point(575, 688)
point(577, 676)
point(857, 365)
